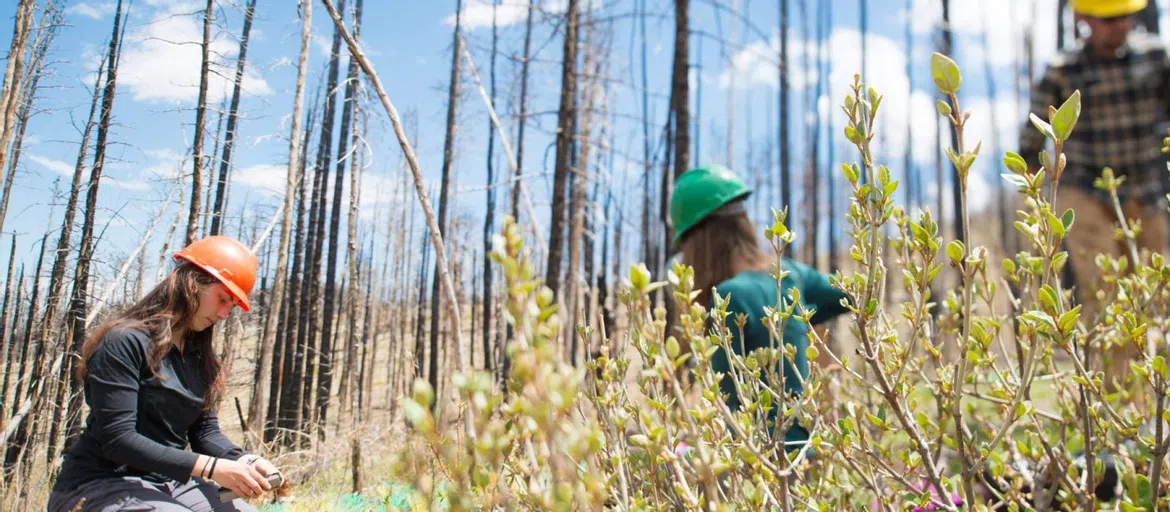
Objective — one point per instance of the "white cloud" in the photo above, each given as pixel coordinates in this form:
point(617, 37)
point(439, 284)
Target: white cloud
point(478, 13)
point(163, 57)
point(56, 166)
point(94, 11)
point(268, 179)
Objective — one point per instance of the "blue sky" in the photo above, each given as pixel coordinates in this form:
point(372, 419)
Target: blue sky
point(410, 45)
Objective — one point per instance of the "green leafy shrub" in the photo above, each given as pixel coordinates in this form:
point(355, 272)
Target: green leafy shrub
point(987, 397)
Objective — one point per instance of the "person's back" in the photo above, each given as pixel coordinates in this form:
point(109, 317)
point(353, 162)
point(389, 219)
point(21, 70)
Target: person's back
point(721, 243)
point(750, 292)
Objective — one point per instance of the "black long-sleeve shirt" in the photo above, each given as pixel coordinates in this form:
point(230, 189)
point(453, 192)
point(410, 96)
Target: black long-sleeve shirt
point(140, 422)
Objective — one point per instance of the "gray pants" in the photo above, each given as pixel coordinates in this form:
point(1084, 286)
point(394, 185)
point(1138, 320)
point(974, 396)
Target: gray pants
point(132, 494)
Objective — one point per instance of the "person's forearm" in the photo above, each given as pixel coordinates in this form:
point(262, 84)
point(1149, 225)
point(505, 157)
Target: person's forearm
point(202, 466)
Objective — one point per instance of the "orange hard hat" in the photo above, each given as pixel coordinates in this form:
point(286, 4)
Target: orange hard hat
point(226, 259)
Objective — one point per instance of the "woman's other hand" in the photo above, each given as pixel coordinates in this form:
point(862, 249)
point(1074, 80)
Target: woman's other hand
point(245, 480)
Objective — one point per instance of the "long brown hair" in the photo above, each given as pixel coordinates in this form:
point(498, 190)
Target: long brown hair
point(170, 304)
point(717, 243)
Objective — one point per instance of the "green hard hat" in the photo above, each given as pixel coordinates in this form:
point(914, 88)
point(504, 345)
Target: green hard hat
point(700, 191)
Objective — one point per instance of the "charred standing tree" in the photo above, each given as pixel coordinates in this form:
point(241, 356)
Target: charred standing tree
point(515, 209)
point(11, 90)
point(256, 410)
point(56, 282)
point(578, 185)
point(680, 91)
point(444, 197)
point(345, 155)
point(782, 143)
point(200, 114)
point(33, 306)
point(310, 325)
point(6, 336)
point(420, 310)
point(648, 167)
point(225, 161)
point(351, 377)
point(830, 176)
point(564, 147)
point(948, 42)
point(907, 156)
point(490, 220)
point(79, 306)
point(291, 374)
point(50, 21)
point(811, 208)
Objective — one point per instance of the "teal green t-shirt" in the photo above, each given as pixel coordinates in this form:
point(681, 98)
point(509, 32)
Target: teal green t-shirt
point(750, 292)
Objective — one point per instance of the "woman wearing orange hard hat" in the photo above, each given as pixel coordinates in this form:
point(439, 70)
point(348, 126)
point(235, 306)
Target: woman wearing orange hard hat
point(153, 383)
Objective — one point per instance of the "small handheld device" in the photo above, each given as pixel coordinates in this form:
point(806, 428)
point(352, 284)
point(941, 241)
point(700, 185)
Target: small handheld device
point(275, 480)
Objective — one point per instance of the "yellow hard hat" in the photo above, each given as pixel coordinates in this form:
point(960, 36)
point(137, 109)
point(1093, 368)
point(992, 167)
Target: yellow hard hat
point(1107, 8)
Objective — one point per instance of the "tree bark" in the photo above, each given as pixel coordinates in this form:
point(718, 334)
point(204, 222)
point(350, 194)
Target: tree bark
point(268, 336)
point(11, 90)
point(344, 156)
point(311, 325)
point(564, 143)
point(515, 210)
point(444, 199)
point(6, 337)
point(225, 161)
point(200, 113)
point(85, 254)
point(50, 21)
point(948, 41)
point(490, 219)
point(785, 167)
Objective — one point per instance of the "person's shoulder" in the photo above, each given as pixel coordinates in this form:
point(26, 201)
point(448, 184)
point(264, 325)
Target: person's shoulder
point(1144, 43)
point(122, 337)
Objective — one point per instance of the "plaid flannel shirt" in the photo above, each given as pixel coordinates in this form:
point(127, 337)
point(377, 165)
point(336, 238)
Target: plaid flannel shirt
point(1125, 105)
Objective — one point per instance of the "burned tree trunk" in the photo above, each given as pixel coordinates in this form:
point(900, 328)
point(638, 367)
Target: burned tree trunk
point(523, 120)
point(490, 219)
point(6, 337)
point(564, 144)
point(200, 113)
point(268, 337)
point(310, 323)
point(79, 298)
point(578, 178)
point(344, 157)
point(12, 88)
point(47, 32)
point(444, 199)
point(225, 161)
point(782, 143)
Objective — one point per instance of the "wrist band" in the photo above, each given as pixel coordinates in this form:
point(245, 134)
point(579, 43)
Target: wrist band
point(206, 464)
point(211, 474)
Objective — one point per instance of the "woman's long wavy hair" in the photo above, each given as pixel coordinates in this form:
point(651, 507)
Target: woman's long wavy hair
point(170, 304)
point(716, 242)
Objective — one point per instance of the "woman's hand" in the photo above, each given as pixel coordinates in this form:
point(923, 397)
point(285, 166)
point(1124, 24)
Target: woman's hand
point(261, 464)
point(245, 480)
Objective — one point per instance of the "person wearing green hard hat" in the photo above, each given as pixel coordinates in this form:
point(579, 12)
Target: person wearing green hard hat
point(717, 239)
